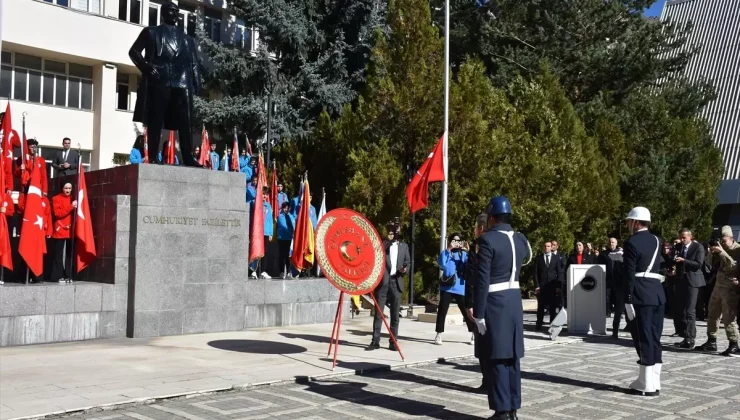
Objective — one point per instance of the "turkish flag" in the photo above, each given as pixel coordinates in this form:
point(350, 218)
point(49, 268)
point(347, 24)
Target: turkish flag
point(257, 223)
point(205, 149)
point(303, 239)
point(32, 246)
point(170, 152)
point(432, 170)
point(9, 139)
point(235, 155)
point(146, 145)
point(83, 226)
point(6, 258)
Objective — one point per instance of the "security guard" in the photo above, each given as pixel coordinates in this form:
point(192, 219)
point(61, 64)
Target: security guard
point(645, 299)
point(498, 313)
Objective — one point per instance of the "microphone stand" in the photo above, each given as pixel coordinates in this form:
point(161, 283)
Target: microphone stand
point(71, 267)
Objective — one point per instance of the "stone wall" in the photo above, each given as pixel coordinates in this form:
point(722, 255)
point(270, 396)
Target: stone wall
point(173, 247)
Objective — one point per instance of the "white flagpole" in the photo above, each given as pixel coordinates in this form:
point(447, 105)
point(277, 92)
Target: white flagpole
point(443, 230)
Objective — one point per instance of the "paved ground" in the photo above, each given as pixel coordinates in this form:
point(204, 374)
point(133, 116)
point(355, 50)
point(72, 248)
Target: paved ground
point(585, 380)
point(54, 378)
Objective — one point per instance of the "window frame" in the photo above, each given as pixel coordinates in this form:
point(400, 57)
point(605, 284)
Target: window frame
point(56, 76)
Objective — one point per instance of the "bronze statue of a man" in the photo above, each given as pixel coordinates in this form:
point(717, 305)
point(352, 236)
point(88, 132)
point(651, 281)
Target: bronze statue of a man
point(170, 79)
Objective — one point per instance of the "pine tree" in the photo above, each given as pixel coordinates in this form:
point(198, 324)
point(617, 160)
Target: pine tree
point(312, 57)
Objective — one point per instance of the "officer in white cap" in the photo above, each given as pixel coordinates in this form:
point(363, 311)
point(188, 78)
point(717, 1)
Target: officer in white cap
point(645, 299)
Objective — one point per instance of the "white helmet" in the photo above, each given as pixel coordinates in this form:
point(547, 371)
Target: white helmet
point(639, 213)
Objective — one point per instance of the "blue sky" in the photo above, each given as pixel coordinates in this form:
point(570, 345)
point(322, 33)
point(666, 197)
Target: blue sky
point(655, 9)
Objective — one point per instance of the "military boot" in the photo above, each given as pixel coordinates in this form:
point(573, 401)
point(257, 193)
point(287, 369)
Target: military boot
point(732, 350)
point(710, 345)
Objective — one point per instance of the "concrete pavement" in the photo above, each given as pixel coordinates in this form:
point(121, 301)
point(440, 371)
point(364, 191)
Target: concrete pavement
point(58, 378)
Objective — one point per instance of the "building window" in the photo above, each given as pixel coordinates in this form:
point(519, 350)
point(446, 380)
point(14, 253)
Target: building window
point(129, 10)
point(242, 36)
point(122, 92)
point(48, 153)
point(28, 78)
point(187, 19)
point(155, 13)
point(90, 6)
point(64, 3)
point(212, 23)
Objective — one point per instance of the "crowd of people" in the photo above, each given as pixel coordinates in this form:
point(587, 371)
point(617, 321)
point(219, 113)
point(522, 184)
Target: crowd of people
point(57, 221)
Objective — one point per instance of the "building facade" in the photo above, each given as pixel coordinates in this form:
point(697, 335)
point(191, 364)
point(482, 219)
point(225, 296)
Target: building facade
point(65, 65)
point(716, 29)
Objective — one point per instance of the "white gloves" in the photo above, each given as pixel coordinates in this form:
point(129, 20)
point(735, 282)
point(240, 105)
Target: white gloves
point(481, 324)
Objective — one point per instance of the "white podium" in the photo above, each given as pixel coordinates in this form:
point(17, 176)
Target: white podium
point(587, 299)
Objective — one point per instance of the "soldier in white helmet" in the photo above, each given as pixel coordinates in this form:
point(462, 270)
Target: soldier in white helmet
point(645, 299)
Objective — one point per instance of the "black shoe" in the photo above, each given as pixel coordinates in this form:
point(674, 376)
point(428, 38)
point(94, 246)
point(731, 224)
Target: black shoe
point(538, 327)
point(615, 335)
point(674, 335)
point(392, 347)
point(685, 344)
point(373, 346)
point(709, 346)
point(732, 350)
point(501, 415)
point(513, 415)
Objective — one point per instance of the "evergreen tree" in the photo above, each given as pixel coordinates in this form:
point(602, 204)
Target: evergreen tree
point(312, 55)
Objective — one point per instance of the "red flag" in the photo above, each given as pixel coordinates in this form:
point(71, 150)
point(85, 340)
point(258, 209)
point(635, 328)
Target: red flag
point(249, 147)
point(146, 145)
point(6, 258)
point(32, 246)
point(274, 194)
point(205, 149)
point(235, 155)
point(257, 224)
point(261, 171)
point(432, 170)
point(303, 240)
point(170, 152)
point(9, 140)
point(83, 226)
point(26, 158)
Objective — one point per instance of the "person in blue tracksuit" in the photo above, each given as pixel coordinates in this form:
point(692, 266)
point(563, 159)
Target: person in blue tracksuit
point(160, 159)
point(252, 190)
point(282, 196)
point(311, 210)
point(244, 164)
point(645, 299)
point(498, 313)
point(137, 152)
point(214, 158)
point(452, 262)
point(285, 229)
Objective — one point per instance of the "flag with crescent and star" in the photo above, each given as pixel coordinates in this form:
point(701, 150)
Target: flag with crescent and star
point(32, 246)
point(83, 227)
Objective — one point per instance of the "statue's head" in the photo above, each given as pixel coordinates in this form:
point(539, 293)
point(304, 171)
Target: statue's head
point(170, 12)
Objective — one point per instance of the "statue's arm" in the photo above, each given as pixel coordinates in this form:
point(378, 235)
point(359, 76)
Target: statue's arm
point(135, 53)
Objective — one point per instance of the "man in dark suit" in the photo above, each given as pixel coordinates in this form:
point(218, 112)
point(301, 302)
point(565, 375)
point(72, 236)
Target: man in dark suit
point(645, 299)
point(397, 260)
point(66, 160)
point(170, 80)
point(689, 279)
point(547, 282)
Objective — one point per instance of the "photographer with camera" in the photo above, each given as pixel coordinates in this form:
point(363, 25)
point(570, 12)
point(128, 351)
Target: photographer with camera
point(724, 300)
point(452, 262)
point(390, 289)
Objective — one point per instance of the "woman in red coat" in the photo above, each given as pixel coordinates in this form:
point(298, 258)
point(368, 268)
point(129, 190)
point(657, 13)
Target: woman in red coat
point(63, 208)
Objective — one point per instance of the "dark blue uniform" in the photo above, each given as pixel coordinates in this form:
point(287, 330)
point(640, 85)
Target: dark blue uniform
point(646, 292)
point(498, 300)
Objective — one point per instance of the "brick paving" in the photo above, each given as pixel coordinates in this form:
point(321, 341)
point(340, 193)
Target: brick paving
point(585, 381)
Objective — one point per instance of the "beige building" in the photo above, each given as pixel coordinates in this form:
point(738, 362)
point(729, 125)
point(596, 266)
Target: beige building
point(65, 65)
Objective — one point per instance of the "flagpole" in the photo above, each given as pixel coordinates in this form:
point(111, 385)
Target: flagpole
point(443, 227)
point(74, 217)
point(23, 166)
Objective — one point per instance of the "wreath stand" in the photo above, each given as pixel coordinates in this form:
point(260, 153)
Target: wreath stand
point(334, 340)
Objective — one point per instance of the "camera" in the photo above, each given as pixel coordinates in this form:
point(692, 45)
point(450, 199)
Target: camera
point(676, 251)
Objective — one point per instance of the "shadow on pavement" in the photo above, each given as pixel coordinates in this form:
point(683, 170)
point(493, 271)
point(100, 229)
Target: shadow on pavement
point(257, 346)
point(355, 393)
point(319, 339)
point(384, 335)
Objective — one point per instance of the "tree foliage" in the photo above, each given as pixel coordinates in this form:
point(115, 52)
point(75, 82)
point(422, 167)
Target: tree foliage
point(312, 56)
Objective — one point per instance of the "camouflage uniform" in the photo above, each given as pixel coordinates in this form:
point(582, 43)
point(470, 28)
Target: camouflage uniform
point(724, 300)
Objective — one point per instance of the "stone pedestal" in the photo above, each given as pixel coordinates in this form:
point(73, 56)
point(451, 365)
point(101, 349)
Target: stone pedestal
point(173, 245)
